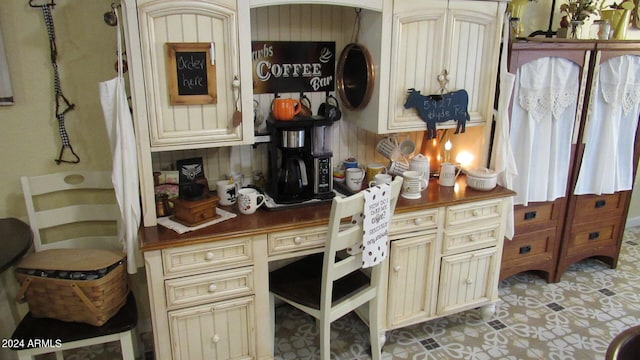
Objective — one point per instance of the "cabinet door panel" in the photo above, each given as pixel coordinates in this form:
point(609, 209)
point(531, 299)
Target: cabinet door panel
point(411, 283)
point(467, 279)
point(223, 330)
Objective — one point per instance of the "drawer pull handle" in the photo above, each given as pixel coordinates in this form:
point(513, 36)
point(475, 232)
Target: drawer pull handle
point(469, 281)
point(396, 268)
point(418, 221)
point(297, 240)
point(212, 288)
point(476, 212)
point(215, 338)
point(594, 235)
point(530, 215)
point(525, 249)
point(208, 256)
point(600, 204)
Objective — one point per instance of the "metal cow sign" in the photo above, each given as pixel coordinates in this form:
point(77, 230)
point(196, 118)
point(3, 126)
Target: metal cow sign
point(433, 109)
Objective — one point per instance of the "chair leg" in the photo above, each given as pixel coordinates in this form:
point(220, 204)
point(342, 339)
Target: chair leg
point(129, 345)
point(376, 345)
point(325, 339)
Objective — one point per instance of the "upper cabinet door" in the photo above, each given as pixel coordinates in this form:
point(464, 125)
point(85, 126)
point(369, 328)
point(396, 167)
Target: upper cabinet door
point(184, 126)
point(431, 37)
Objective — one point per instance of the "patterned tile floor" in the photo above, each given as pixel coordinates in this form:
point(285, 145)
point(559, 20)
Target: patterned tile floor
point(573, 319)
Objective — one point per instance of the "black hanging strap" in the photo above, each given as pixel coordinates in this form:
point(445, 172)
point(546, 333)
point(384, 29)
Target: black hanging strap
point(59, 96)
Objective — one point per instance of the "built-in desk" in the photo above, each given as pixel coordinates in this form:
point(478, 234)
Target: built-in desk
point(209, 288)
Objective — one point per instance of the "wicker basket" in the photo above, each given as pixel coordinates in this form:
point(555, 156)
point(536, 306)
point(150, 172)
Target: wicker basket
point(75, 285)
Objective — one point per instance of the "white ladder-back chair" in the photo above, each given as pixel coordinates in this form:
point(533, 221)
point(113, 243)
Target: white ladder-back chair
point(331, 284)
point(69, 208)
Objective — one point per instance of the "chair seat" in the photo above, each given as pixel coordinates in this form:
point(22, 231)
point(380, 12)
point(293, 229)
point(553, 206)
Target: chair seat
point(43, 328)
point(301, 281)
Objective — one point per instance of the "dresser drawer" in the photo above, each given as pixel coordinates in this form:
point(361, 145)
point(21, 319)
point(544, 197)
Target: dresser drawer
point(537, 215)
point(200, 289)
point(471, 238)
point(217, 255)
point(527, 247)
point(413, 221)
point(589, 207)
point(296, 240)
point(587, 237)
point(467, 213)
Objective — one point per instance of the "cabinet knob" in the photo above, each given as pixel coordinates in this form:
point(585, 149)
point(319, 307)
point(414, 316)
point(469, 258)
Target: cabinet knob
point(297, 240)
point(212, 287)
point(215, 338)
point(396, 268)
point(418, 221)
point(476, 212)
point(469, 281)
point(208, 256)
point(474, 237)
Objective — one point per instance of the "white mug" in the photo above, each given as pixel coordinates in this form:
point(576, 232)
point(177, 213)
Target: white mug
point(389, 148)
point(398, 167)
point(413, 184)
point(227, 192)
point(448, 174)
point(354, 178)
point(249, 200)
point(380, 179)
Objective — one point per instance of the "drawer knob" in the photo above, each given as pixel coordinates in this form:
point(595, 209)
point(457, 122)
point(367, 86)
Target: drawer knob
point(212, 287)
point(476, 212)
point(396, 268)
point(469, 281)
point(418, 221)
point(215, 338)
point(297, 240)
point(208, 256)
point(474, 237)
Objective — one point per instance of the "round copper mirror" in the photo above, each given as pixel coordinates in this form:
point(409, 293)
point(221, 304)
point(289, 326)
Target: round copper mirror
point(355, 76)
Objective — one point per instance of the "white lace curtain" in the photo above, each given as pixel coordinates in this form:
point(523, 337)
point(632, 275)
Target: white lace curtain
point(607, 163)
point(542, 120)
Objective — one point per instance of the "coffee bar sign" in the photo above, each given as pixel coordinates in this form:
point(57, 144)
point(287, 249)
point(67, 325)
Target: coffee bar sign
point(293, 66)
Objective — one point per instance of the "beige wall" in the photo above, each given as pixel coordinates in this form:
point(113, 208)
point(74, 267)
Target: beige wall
point(29, 140)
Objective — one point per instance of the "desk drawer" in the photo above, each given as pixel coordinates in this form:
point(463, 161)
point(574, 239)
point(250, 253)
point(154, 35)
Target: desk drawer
point(413, 221)
point(200, 289)
point(467, 213)
point(199, 258)
point(296, 240)
point(471, 238)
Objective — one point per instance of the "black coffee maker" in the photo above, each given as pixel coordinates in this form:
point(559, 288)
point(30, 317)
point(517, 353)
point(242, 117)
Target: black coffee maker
point(297, 173)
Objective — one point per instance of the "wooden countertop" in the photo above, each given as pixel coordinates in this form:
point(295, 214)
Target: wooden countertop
point(266, 221)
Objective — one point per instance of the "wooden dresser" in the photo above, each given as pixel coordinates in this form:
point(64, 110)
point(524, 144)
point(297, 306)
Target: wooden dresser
point(550, 236)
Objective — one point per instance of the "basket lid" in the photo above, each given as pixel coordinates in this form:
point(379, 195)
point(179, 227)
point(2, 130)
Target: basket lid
point(482, 172)
point(71, 259)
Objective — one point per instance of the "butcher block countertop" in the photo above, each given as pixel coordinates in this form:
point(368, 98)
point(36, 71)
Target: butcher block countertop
point(266, 221)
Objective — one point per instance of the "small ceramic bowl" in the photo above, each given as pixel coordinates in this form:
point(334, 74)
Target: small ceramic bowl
point(482, 179)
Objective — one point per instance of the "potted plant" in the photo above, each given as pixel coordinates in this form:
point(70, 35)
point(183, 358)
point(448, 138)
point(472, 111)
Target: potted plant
point(575, 12)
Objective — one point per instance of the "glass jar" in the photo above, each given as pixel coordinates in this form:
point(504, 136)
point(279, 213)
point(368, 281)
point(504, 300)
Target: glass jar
point(600, 30)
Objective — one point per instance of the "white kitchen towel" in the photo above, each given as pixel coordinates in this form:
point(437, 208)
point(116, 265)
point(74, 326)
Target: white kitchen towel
point(6, 93)
point(607, 163)
point(503, 161)
point(124, 175)
point(542, 124)
point(375, 224)
point(181, 229)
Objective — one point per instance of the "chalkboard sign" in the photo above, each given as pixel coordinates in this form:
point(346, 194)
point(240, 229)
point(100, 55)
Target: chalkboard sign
point(191, 73)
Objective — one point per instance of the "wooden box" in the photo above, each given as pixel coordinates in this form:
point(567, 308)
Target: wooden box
point(192, 213)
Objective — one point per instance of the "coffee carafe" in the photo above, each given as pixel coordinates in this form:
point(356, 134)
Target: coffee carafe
point(292, 175)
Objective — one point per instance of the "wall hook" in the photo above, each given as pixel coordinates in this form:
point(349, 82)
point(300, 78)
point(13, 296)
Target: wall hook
point(52, 3)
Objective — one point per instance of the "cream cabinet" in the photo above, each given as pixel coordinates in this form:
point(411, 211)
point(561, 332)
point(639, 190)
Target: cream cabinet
point(461, 37)
point(162, 126)
point(203, 299)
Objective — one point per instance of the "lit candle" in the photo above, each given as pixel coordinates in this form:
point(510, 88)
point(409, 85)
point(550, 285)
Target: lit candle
point(447, 149)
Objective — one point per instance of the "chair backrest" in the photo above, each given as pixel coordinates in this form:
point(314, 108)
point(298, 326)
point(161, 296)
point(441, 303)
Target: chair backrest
point(344, 234)
point(75, 209)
